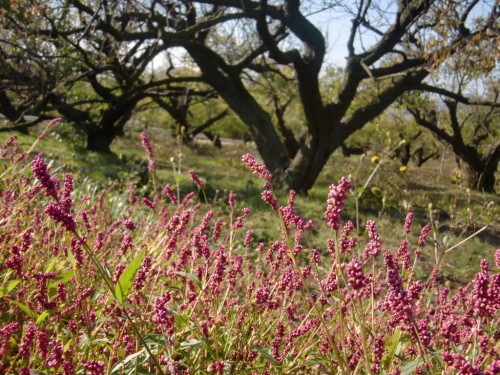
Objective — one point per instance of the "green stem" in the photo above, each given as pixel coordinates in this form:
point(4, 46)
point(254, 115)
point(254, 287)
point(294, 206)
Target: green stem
point(112, 290)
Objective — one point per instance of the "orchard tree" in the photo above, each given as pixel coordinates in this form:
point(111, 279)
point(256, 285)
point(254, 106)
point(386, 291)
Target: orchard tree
point(471, 130)
point(393, 46)
point(27, 74)
point(57, 60)
point(463, 111)
point(183, 104)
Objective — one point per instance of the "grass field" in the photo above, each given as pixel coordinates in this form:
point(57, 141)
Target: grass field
point(435, 192)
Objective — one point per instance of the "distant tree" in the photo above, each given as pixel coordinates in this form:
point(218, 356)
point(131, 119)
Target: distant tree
point(181, 101)
point(416, 151)
point(472, 132)
point(93, 78)
point(464, 110)
point(27, 74)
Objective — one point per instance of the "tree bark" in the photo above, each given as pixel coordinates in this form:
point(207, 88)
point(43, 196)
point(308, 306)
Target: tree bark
point(113, 120)
point(481, 173)
point(230, 87)
point(480, 180)
point(309, 161)
point(99, 140)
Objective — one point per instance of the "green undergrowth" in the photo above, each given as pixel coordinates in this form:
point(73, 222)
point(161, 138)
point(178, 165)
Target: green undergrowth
point(130, 276)
point(437, 198)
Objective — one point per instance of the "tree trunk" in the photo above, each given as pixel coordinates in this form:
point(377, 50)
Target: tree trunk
point(308, 163)
point(99, 140)
point(113, 120)
point(231, 89)
point(481, 177)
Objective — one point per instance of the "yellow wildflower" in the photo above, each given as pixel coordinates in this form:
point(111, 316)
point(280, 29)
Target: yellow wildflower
point(375, 159)
point(403, 168)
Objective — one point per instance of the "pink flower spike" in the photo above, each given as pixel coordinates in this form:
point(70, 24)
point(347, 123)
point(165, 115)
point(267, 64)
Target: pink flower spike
point(94, 367)
point(335, 202)
point(373, 247)
point(151, 166)
point(356, 277)
point(196, 180)
point(65, 200)
point(49, 125)
point(54, 121)
point(129, 224)
point(147, 145)
point(267, 196)
point(423, 235)
point(256, 168)
point(168, 192)
point(41, 173)
point(60, 216)
point(407, 225)
point(231, 200)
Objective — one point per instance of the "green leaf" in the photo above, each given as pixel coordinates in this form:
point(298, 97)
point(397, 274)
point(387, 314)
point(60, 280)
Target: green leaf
point(72, 259)
point(191, 277)
point(26, 309)
point(64, 278)
point(360, 191)
point(51, 265)
point(390, 347)
point(67, 345)
point(124, 284)
point(131, 364)
point(316, 361)
point(155, 340)
point(376, 191)
point(27, 172)
point(42, 317)
point(181, 320)
point(267, 356)
point(411, 367)
point(447, 241)
point(190, 344)
point(8, 287)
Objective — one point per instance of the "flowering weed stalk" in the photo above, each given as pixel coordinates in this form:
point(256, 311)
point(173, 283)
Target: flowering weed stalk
point(172, 286)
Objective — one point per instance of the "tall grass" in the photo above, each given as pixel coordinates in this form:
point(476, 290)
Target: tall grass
point(96, 282)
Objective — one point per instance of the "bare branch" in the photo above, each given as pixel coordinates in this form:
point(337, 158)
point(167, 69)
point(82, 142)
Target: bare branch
point(458, 97)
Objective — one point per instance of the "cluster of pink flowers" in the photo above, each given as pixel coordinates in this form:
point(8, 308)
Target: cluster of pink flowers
point(161, 313)
point(373, 247)
point(147, 145)
point(356, 276)
point(486, 294)
point(408, 220)
point(168, 192)
point(346, 244)
point(423, 235)
point(257, 168)
point(60, 216)
point(335, 202)
point(94, 367)
point(59, 211)
point(41, 173)
point(217, 293)
point(196, 179)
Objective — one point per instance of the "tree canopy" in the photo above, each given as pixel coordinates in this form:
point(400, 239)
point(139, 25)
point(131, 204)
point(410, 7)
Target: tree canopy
point(393, 47)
